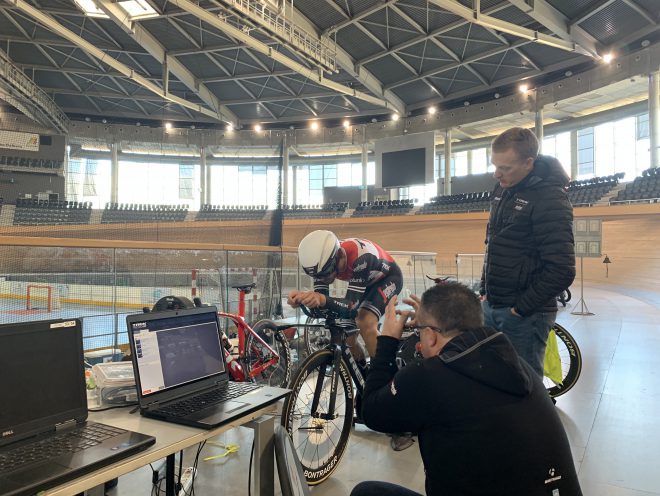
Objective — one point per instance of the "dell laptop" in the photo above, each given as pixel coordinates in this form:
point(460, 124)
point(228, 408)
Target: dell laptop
point(45, 438)
point(181, 373)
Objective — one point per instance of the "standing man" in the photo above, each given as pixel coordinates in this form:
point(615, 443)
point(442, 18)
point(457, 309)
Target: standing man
point(530, 255)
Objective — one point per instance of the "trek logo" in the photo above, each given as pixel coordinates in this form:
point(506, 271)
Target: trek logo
point(360, 266)
point(7, 433)
point(385, 267)
point(140, 325)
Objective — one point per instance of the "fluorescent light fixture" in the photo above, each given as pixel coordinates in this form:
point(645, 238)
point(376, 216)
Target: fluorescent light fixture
point(432, 110)
point(523, 88)
point(230, 128)
point(314, 125)
point(608, 57)
point(168, 125)
point(395, 117)
point(257, 127)
point(347, 123)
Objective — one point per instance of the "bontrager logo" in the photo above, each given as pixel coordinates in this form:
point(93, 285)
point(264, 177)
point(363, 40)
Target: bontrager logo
point(7, 433)
point(139, 325)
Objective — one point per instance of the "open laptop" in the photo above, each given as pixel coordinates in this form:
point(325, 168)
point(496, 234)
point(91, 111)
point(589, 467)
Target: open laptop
point(181, 373)
point(45, 439)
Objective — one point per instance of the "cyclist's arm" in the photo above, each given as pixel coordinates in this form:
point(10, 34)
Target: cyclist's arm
point(394, 401)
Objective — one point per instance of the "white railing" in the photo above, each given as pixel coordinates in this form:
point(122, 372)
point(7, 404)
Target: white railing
point(319, 50)
point(33, 96)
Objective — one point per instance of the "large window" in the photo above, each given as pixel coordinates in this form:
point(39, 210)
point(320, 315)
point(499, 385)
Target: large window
point(585, 138)
point(157, 183)
point(559, 146)
point(233, 185)
point(480, 161)
point(88, 180)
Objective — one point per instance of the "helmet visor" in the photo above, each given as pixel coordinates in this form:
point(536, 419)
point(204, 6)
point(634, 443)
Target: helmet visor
point(328, 269)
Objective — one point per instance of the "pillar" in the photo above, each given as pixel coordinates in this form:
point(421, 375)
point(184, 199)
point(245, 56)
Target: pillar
point(447, 188)
point(654, 118)
point(285, 175)
point(294, 186)
point(203, 177)
point(114, 172)
point(538, 127)
point(469, 160)
point(574, 154)
point(364, 193)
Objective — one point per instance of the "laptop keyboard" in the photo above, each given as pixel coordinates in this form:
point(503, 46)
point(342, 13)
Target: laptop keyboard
point(197, 403)
point(70, 441)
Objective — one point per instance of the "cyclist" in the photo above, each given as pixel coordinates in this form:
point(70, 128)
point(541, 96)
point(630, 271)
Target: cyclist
point(373, 279)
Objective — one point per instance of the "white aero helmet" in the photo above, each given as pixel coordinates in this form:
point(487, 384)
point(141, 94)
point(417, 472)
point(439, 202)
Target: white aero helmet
point(317, 253)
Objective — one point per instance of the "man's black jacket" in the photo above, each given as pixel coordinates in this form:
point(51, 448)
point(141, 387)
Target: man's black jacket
point(485, 422)
point(530, 254)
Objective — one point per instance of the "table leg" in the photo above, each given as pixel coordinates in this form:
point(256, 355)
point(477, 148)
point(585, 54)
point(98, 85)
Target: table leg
point(169, 476)
point(264, 455)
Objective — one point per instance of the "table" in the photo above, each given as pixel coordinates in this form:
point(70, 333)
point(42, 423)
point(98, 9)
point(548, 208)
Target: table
point(171, 438)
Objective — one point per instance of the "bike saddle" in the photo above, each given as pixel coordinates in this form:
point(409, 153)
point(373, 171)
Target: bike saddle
point(246, 288)
point(172, 303)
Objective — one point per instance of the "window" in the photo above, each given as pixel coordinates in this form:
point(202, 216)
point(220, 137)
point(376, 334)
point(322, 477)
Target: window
point(88, 180)
point(460, 160)
point(186, 182)
point(642, 126)
point(233, 185)
point(585, 152)
point(479, 161)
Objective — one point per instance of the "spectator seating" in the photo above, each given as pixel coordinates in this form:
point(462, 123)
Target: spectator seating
point(118, 213)
point(588, 191)
point(645, 187)
point(383, 207)
point(327, 210)
point(33, 212)
point(463, 202)
point(234, 212)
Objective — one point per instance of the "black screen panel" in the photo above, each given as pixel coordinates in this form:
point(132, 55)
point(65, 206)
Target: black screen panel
point(404, 168)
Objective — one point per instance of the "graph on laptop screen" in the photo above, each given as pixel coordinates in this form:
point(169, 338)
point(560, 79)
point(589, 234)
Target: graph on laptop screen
point(177, 350)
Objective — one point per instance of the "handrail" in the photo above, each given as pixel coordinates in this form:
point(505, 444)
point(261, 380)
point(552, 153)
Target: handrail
point(35, 96)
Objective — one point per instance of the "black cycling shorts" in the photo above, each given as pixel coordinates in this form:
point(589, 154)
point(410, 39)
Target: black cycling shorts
point(380, 293)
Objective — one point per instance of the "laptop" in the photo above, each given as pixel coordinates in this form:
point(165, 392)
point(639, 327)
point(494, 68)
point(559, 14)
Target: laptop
point(45, 438)
point(181, 373)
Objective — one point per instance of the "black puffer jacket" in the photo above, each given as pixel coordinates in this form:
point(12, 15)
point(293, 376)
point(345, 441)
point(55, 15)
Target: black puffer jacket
point(530, 254)
point(485, 422)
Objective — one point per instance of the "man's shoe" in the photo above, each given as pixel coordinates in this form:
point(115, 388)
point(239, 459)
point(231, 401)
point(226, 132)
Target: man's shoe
point(399, 442)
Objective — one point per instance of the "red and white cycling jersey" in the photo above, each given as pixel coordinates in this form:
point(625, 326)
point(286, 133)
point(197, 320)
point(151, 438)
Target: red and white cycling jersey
point(367, 264)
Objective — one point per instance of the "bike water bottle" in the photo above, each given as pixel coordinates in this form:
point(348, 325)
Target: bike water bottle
point(235, 369)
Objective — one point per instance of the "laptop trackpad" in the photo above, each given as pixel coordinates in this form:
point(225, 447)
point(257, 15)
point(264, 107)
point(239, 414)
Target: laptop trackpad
point(223, 408)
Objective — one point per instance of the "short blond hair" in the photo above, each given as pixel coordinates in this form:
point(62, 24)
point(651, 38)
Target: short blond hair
point(523, 141)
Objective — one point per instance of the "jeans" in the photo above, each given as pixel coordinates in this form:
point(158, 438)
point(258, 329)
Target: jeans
point(378, 488)
point(528, 335)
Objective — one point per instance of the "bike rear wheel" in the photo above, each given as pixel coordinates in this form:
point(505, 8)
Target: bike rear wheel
point(256, 354)
point(319, 442)
point(571, 363)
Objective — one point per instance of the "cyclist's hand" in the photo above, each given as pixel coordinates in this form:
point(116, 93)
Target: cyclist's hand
point(291, 299)
point(393, 323)
point(311, 299)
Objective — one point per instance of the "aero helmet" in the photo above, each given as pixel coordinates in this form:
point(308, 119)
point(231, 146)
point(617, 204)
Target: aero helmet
point(317, 253)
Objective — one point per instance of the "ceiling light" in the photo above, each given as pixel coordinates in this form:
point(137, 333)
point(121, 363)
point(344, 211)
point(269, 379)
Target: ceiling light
point(257, 127)
point(395, 117)
point(230, 127)
point(466, 103)
point(497, 95)
point(523, 88)
point(292, 127)
point(87, 119)
point(374, 120)
point(314, 125)
point(645, 43)
point(104, 121)
point(608, 57)
point(432, 110)
point(568, 73)
point(168, 126)
point(347, 123)
point(138, 124)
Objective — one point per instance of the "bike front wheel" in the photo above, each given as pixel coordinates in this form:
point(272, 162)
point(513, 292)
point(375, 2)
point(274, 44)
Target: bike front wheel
point(261, 364)
point(319, 437)
point(317, 336)
point(571, 363)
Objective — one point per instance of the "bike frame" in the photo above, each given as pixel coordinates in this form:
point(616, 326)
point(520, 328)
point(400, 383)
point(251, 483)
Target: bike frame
point(340, 352)
point(242, 329)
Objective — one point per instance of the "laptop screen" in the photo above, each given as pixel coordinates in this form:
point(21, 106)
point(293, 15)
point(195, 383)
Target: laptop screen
point(176, 348)
point(42, 376)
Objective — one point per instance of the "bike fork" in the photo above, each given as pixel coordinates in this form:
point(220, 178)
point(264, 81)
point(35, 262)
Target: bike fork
point(334, 378)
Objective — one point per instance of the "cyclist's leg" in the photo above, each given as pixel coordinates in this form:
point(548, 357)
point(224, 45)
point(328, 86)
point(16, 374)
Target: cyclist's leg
point(367, 321)
point(373, 306)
